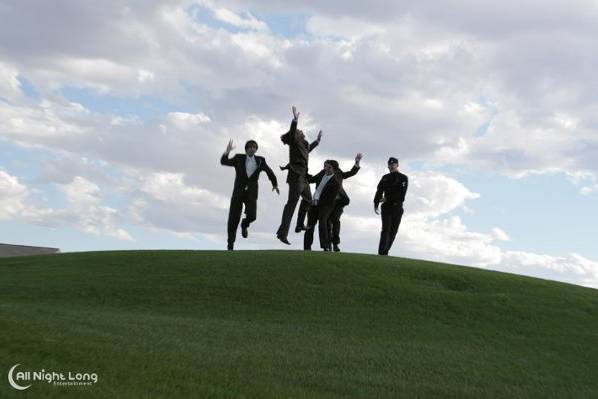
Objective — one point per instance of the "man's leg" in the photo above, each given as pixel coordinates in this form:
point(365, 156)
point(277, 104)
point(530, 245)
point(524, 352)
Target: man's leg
point(395, 220)
point(303, 207)
point(323, 215)
point(335, 224)
point(234, 215)
point(295, 190)
point(250, 214)
point(312, 219)
point(384, 215)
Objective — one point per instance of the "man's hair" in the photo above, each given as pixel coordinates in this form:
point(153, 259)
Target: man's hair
point(332, 163)
point(393, 160)
point(249, 142)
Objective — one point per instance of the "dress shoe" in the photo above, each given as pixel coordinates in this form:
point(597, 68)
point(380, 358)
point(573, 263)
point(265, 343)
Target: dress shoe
point(283, 240)
point(299, 229)
point(336, 248)
point(229, 247)
point(244, 232)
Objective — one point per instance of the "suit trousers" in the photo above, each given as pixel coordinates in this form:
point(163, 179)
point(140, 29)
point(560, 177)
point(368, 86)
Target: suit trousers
point(298, 188)
point(391, 215)
point(234, 213)
point(334, 224)
point(317, 214)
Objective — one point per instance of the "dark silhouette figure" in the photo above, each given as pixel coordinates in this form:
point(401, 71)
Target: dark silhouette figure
point(342, 200)
point(248, 167)
point(328, 185)
point(299, 150)
point(391, 192)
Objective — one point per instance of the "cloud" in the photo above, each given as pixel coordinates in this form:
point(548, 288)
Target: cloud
point(12, 195)
point(84, 200)
point(249, 22)
point(166, 201)
point(462, 85)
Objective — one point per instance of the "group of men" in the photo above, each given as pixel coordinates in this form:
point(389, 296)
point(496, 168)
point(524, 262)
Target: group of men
point(324, 207)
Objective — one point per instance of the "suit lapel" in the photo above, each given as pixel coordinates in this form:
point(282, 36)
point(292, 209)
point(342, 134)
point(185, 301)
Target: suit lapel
point(244, 165)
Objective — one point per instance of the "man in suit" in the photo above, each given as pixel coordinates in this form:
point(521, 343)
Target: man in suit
point(248, 167)
point(342, 200)
point(299, 150)
point(328, 185)
point(391, 192)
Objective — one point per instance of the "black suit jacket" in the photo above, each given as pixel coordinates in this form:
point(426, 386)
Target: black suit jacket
point(393, 186)
point(343, 198)
point(299, 150)
point(243, 182)
point(330, 191)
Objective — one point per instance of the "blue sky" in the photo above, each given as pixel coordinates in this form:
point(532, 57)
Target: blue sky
point(115, 145)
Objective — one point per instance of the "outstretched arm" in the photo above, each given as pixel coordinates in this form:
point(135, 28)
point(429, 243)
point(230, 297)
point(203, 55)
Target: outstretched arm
point(224, 160)
point(355, 167)
point(315, 178)
point(271, 176)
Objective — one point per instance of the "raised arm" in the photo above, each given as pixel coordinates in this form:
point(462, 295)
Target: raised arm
point(315, 143)
point(224, 160)
point(290, 136)
point(355, 167)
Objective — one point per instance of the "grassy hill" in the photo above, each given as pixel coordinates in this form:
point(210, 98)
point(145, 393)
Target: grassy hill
point(280, 324)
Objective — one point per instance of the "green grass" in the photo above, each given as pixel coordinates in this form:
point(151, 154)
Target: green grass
point(269, 324)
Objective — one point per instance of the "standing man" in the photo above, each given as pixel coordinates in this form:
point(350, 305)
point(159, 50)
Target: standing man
point(299, 150)
point(342, 200)
point(248, 167)
point(328, 184)
point(391, 192)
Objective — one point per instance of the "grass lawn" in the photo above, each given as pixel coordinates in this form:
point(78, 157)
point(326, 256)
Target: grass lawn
point(287, 324)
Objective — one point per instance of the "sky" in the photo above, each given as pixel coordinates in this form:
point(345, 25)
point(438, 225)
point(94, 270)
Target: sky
point(113, 117)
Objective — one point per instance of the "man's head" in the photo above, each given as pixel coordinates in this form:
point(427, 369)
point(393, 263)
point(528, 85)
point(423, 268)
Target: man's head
point(330, 166)
point(250, 147)
point(393, 164)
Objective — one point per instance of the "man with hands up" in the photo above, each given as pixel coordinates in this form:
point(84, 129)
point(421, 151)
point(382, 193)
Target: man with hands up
point(248, 167)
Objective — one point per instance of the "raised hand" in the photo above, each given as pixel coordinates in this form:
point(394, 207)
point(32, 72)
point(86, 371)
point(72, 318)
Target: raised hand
point(319, 135)
point(295, 113)
point(358, 158)
point(229, 147)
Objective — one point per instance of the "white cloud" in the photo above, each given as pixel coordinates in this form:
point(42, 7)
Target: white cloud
point(10, 87)
point(93, 217)
point(12, 195)
point(499, 235)
point(166, 201)
point(249, 22)
point(184, 120)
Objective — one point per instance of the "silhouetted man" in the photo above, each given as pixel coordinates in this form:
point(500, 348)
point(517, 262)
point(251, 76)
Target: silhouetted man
point(342, 200)
point(299, 150)
point(391, 192)
point(328, 184)
point(248, 167)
